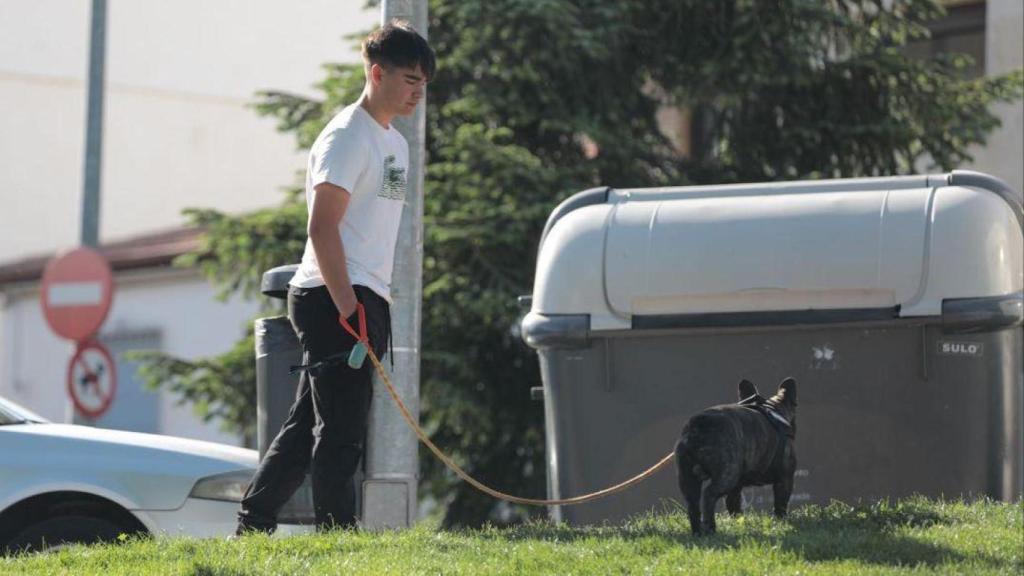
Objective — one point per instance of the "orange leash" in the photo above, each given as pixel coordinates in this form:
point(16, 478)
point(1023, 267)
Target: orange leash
point(484, 488)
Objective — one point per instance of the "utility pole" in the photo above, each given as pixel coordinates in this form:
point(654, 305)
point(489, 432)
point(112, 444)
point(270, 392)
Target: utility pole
point(94, 126)
point(392, 466)
point(93, 142)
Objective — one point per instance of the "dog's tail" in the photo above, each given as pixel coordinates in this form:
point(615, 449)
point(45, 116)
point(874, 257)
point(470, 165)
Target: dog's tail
point(686, 461)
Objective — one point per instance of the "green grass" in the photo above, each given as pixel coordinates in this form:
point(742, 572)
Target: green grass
point(915, 536)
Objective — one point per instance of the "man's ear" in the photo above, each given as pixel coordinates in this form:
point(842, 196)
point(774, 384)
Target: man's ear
point(746, 389)
point(376, 73)
point(787, 389)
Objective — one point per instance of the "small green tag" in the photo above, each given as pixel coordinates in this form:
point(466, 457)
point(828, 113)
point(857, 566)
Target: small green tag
point(357, 356)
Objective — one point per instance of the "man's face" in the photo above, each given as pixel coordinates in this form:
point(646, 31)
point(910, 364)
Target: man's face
point(401, 88)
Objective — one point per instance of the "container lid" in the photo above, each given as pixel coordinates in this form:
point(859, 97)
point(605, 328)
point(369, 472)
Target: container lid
point(904, 244)
point(773, 252)
point(275, 281)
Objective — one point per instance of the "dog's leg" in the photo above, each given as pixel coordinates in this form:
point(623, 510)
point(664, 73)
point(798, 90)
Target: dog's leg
point(782, 489)
point(689, 484)
point(713, 490)
point(725, 471)
point(734, 502)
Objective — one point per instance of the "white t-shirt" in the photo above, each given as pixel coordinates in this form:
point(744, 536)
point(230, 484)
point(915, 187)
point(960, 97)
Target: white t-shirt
point(356, 153)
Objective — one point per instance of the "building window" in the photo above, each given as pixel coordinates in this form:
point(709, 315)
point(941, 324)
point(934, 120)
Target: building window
point(960, 31)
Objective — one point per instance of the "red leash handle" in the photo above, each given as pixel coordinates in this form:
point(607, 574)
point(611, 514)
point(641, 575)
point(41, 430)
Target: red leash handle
point(362, 336)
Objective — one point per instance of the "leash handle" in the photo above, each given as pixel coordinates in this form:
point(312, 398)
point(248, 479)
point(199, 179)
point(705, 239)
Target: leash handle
point(358, 353)
point(361, 336)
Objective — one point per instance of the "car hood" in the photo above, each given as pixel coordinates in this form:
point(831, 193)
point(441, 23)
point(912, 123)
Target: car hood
point(99, 438)
point(146, 471)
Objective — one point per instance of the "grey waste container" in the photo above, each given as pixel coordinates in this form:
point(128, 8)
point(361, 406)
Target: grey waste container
point(896, 303)
point(277, 349)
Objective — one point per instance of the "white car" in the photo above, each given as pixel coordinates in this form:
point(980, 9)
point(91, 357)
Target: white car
point(62, 483)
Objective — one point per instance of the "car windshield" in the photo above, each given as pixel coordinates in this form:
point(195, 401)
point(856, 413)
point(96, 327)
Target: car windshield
point(11, 413)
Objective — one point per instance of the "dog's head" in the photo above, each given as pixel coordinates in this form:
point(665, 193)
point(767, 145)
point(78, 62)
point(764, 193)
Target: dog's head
point(783, 402)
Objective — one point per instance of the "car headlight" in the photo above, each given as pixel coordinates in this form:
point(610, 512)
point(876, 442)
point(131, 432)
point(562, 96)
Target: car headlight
point(227, 487)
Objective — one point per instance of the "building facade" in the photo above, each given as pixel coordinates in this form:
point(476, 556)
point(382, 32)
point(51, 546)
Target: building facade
point(179, 132)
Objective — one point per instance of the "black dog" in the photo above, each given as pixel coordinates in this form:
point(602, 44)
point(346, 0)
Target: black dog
point(727, 447)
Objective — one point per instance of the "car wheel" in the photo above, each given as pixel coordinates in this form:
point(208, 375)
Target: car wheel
point(63, 530)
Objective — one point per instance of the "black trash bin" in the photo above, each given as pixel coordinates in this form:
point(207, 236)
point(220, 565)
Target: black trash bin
point(277, 350)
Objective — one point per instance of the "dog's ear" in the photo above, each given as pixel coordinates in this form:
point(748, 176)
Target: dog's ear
point(746, 389)
point(787, 389)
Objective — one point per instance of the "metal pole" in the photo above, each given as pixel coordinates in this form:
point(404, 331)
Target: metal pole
point(93, 144)
point(392, 468)
point(94, 127)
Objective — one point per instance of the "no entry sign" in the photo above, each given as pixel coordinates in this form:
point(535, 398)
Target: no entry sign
point(76, 293)
point(92, 379)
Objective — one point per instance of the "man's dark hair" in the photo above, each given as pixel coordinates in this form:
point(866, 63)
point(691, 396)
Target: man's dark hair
point(396, 44)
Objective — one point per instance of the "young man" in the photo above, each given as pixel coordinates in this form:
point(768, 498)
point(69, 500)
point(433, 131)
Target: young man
point(355, 191)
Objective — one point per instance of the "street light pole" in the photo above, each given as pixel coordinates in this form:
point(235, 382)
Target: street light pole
point(94, 126)
point(392, 470)
point(93, 144)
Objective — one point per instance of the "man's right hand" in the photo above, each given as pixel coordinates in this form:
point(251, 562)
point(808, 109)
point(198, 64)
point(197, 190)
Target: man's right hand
point(347, 304)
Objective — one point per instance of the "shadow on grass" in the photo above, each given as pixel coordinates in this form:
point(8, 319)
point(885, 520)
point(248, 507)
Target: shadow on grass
point(864, 533)
point(201, 569)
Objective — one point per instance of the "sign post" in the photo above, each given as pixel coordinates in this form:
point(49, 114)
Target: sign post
point(392, 466)
point(77, 291)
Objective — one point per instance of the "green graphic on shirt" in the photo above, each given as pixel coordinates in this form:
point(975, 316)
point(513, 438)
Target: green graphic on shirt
point(394, 180)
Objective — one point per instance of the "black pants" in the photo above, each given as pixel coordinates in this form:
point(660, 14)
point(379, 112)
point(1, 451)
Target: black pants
point(326, 427)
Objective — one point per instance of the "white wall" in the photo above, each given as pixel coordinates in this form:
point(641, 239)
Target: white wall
point(1004, 52)
point(178, 129)
point(179, 306)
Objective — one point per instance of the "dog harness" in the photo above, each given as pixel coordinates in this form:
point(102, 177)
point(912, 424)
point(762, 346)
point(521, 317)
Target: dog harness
point(784, 429)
